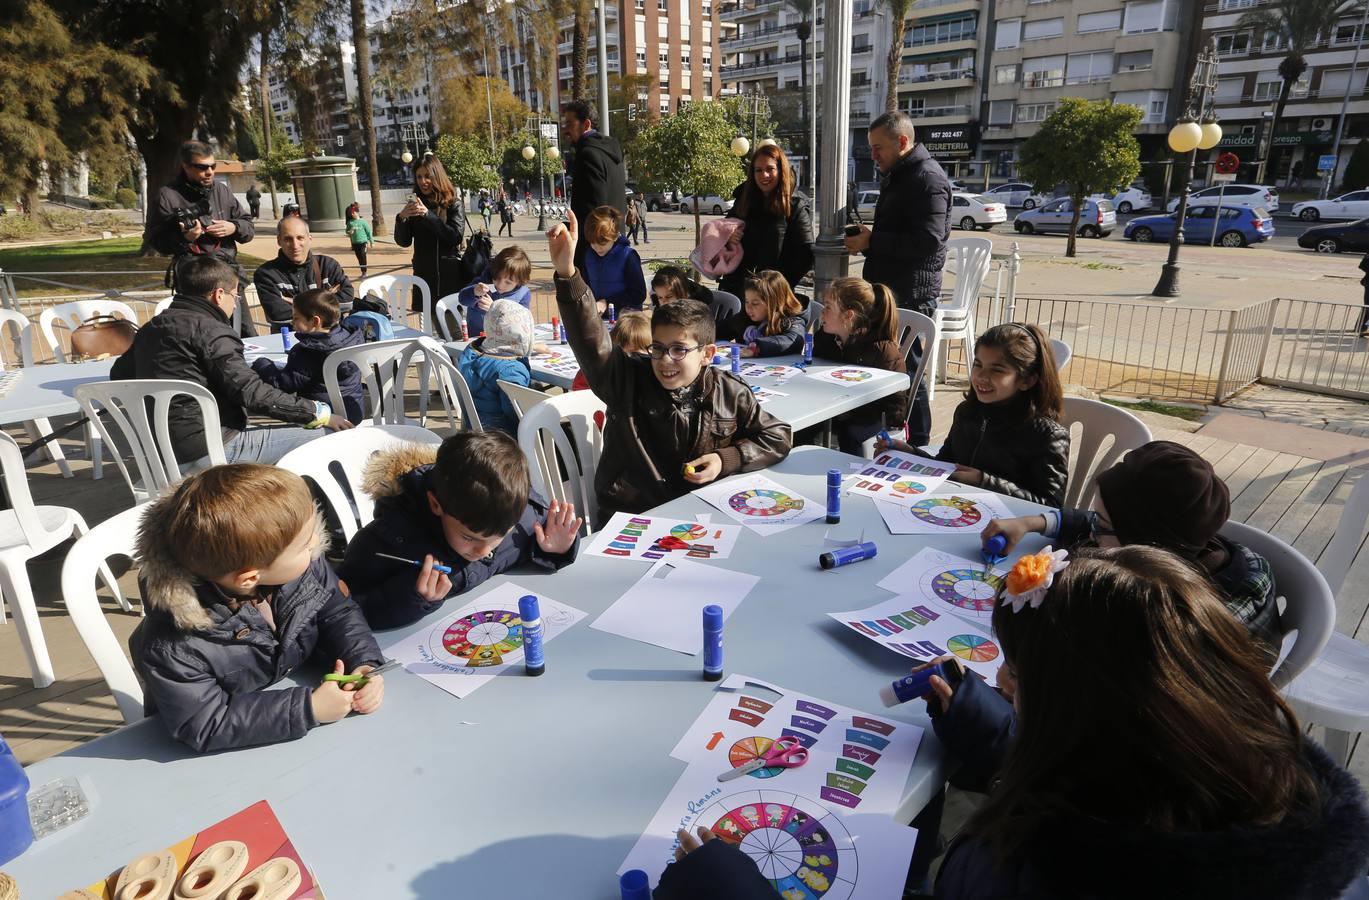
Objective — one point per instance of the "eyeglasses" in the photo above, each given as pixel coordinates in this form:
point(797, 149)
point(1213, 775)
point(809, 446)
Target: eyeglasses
point(202, 167)
point(676, 352)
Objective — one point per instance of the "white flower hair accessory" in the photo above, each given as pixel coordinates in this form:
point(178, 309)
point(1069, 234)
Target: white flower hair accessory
point(1031, 576)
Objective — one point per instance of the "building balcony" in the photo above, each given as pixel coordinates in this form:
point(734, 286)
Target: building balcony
point(731, 12)
point(924, 8)
point(758, 37)
point(938, 113)
point(761, 67)
point(954, 78)
point(940, 46)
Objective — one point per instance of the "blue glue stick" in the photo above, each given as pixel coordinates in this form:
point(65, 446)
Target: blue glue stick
point(833, 496)
point(995, 548)
point(612, 314)
point(884, 436)
point(808, 348)
point(285, 338)
point(563, 333)
point(847, 555)
point(713, 643)
point(919, 684)
point(635, 885)
point(736, 358)
point(531, 615)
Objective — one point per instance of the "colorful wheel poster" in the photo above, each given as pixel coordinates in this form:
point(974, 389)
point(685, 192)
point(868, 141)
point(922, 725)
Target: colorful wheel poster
point(648, 538)
point(923, 631)
point(761, 504)
point(964, 512)
point(948, 583)
point(900, 477)
point(475, 643)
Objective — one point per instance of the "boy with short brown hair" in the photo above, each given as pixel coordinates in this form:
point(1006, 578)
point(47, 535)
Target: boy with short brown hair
point(238, 595)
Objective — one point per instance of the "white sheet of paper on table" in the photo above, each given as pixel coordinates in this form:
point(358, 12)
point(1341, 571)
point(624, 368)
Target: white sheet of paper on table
point(561, 361)
point(910, 626)
point(761, 504)
point(804, 831)
point(763, 395)
point(961, 512)
point(637, 538)
point(777, 371)
point(665, 607)
point(846, 375)
point(900, 477)
point(477, 642)
point(961, 586)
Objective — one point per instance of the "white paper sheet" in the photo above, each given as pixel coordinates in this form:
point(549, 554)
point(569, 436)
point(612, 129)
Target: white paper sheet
point(764, 395)
point(962, 586)
point(480, 640)
point(847, 375)
point(665, 607)
point(778, 371)
point(900, 477)
point(961, 512)
point(644, 538)
point(761, 504)
point(909, 625)
point(557, 359)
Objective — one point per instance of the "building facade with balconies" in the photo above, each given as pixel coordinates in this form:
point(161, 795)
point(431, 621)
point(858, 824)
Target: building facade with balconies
point(939, 76)
point(1248, 86)
point(1037, 51)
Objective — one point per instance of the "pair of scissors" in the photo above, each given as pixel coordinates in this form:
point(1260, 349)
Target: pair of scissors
point(786, 753)
point(362, 677)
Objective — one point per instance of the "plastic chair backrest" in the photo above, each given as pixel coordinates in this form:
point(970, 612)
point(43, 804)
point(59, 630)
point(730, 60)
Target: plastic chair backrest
point(1310, 606)
point(144, 431)
point(815, 308)
point(162, 305)
point(23, 336)
point(911, 326)
point(433, 361)
point(523, 398)
point(544, 440)
point(396, 289)
point(1062, 353)
point(1098, 421)
point(378, 362)
point(17, 487)
point(73, 313)
point(1340, 553)
point(972, 258)
point(115, 536)
point(725, 305)
point(448, 304)
point(337, 463)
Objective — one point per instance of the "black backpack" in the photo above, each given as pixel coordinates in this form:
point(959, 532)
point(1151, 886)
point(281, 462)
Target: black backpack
point(479, 252)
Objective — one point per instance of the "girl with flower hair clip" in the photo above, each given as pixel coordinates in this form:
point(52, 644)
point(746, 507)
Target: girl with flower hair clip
point(1138, 748)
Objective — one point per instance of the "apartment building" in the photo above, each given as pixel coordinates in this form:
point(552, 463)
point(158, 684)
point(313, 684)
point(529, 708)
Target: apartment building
point(675, 42)
point(939, 77)
point(1037, 51)
point(1248, 86)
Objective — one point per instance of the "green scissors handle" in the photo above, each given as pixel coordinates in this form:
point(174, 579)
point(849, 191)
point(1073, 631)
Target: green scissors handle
point(361, 678)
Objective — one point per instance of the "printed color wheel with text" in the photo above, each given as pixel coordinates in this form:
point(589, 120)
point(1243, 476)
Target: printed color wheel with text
point(764, 502)
point(946, 512)
point(485, 637)
point(967, 588)
point(804, 855)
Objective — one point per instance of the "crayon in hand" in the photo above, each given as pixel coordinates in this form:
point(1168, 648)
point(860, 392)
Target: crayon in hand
point(688, 469)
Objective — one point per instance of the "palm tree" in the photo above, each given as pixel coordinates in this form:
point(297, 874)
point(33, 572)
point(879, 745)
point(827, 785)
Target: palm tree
point(579, 51)
point(898, 14)
point(361, 41)
point(1298, 25)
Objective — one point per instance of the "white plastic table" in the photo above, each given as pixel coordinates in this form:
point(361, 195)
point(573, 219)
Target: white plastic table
point(807, 401)
point(529, 787)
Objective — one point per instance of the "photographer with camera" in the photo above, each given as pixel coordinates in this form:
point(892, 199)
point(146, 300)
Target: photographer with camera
point(194, 215)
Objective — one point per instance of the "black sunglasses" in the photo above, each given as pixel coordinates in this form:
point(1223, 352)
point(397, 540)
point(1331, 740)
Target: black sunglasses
point(203, 167)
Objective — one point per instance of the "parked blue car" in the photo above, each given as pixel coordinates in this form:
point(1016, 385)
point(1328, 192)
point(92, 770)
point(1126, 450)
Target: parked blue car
point(1235, 226)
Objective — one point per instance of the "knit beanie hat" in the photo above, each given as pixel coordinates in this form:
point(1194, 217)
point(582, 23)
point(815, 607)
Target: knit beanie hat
point(1164, 494)
point(508, 329)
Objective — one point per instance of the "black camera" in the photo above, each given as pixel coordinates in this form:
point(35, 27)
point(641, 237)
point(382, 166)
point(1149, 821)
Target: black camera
point(188, 217)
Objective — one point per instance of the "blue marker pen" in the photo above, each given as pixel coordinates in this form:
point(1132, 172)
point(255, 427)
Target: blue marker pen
point(808, 348)
point(833, 496)
point(736, 358)
point(884, 436)
point(531, 615)
point(919, 684)
point(635, 885)
point(713, 643)
point(437, 567)
point(846, 555)
point(286, 338)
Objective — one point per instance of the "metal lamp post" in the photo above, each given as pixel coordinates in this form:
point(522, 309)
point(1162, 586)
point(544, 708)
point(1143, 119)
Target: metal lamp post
point(1186, 138)
point(529, 151)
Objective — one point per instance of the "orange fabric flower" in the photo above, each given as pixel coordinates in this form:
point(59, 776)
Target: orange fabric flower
point(1028, 572)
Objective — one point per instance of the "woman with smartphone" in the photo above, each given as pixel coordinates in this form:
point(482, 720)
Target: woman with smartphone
point(779, 223)
point(433, 222)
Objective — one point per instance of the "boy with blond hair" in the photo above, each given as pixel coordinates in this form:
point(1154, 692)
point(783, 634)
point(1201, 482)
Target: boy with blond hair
point(238, 595)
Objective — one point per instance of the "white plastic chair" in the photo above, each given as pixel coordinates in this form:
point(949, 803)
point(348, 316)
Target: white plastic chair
point(1098, 422)
point(22, 339)
point(725, 305)
point(71, 315)
point(384, 366)
point(337, 463)
point(397, 291)
point(378, 362)
point(162, 305)
point(116, 536)
point(435, 363)
point(448, 304)
point(523, 398)
point(1310, 606)
point(145, 433)
point(542, 434)
point(970, 258)
point(1062, 352)
point(1334, 690)
point(27, 531)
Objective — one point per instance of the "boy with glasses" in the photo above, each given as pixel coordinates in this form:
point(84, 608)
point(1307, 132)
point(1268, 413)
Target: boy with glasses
point(674, 421)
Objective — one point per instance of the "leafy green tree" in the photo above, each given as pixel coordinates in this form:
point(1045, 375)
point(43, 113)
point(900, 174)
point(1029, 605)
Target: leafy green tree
point(691, 149)
point(271, 167)
point(62, 94)
point(1089, 146)
point(468, 161)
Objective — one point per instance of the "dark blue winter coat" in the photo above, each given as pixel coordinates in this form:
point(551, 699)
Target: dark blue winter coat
point(404, 525)
point(616, 277)
point(302, 374)
point(205, 659)
point(483, 374)
point(788, 340)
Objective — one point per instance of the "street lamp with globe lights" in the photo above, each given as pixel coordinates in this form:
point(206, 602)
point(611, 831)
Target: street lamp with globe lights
point(1196, 130)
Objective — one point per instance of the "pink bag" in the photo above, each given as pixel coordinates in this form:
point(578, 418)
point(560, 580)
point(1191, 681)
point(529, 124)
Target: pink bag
point(717, 254)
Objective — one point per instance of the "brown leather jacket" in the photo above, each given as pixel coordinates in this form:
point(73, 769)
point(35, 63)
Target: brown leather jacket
point(650, 432)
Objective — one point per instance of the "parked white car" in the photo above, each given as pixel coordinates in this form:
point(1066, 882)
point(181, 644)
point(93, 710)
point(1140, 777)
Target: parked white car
point(1133, 199)
point(971, 211)
point(710, 204)
point(1354, 205)
point(865, 205)
point(1016, 194)
point(1254, 196)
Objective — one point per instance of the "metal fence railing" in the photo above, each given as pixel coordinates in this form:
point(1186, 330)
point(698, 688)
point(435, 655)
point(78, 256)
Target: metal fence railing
point(1315, 345)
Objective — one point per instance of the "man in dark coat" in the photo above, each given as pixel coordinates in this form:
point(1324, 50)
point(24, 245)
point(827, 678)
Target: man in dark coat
point(598, 177)
point(195, 215)
point(906, 248)
point(297, 269)
point(254, 199)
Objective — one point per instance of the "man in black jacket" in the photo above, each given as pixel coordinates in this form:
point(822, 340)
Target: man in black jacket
point(297, 269)
point(195, 215)
point(905, 250)
point(596, 167)
point(193, 340)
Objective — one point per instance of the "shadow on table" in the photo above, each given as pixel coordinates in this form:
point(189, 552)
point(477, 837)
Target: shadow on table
point(146, 740)
point(502, 862)
point(692, 673)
